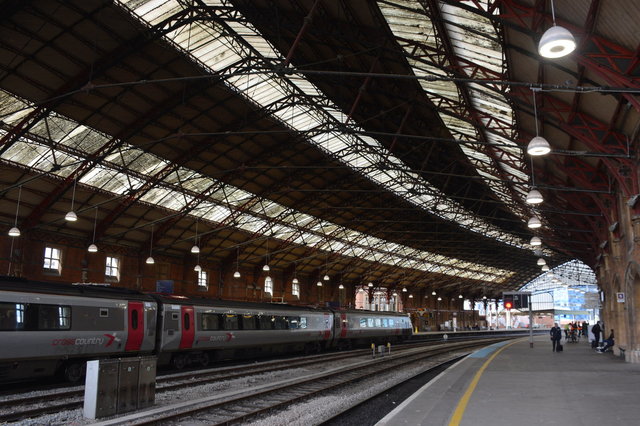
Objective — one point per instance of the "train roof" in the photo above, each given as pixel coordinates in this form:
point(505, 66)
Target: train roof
point(89, 290)
point(181, 300)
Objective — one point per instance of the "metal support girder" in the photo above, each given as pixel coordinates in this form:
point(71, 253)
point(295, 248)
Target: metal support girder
point(595, 134)
point(303, 29)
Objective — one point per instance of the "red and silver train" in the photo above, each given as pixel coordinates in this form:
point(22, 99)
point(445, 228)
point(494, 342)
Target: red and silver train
point(48, 329)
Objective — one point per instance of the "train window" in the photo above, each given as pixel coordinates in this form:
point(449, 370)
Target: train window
point(112, 269)
point(294, 322)
point(280, 323)
point(134, 319)
point(248, 322)
point(370, 322)
point(391, 322)
point(187, 321)
point(363, 323)
point(385, 322)
point(11, 316)
point(230, 322)
point(265, 322)
point(209, 322)
point(52, 260)
point(46, 317)
point(303, 322)
point(378, 322)
point(104, 313)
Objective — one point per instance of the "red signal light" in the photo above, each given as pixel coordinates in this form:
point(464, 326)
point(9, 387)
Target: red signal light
point(508, 305)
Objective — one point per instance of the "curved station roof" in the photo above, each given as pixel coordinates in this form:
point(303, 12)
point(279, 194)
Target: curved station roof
point(375, 141)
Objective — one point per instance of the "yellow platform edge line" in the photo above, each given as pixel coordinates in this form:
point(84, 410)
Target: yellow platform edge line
point(456, 418)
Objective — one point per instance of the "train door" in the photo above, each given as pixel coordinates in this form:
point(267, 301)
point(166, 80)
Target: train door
point(326, 335)
point(188, 328)
point(343, 325)
point(135, 326)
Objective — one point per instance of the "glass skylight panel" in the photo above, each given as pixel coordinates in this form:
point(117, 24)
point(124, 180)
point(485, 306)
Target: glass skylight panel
point(283, 87)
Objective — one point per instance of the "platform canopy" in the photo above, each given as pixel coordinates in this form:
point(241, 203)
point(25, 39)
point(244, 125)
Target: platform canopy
point(380, 141)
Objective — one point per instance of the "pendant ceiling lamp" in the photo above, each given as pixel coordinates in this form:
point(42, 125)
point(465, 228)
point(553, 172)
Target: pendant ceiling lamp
point(14, 231)
point(557, 41)
point(534, 197)
point(541, 262)
point(341, 287)
point(93, 248)
point(150, 260)
point(536, 241)
point(534, 222)
point(545, 268)
point(71, 215)
point(538, 145)
point(236, 274)
point(266, 267)
point(195, 249)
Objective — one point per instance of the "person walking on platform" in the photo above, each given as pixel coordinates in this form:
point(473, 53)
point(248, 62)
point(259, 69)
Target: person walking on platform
point(556, 336)
point(596, 334)
point(585, 329)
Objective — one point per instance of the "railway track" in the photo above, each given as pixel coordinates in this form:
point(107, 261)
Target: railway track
point(239, 406)
point(73, 399)
point(16, 409)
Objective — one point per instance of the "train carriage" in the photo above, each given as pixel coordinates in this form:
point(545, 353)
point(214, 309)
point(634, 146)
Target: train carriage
point(47, 328)
point(201, 330)
point(355, 327)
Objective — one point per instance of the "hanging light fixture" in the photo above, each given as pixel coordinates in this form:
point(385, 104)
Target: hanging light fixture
point(395, 294)
point(93, 248)
point(557, 41)
point(538, 145)
point(411, 296)
point(370, 284)
point(198, 268)
point(534, 222)
point(541, 262)
point(460, 296)
point(341, 287)
point(236, 274)
point(535, 241)
point(439, 299)
point(195, 249)
point(266, 260)
point(433, 293)
point(15, 232)
point(319, 283)
point(534, 197)
point(326, 268)
point(404, 289)
point(545, 268)
point(150, 260)
point(484, 297)
point(71, 215)
point(295, 280)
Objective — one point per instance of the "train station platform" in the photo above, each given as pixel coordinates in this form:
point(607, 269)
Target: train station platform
point(511, 383)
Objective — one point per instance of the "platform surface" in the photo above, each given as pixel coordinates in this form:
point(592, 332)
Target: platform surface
point(513, 384)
